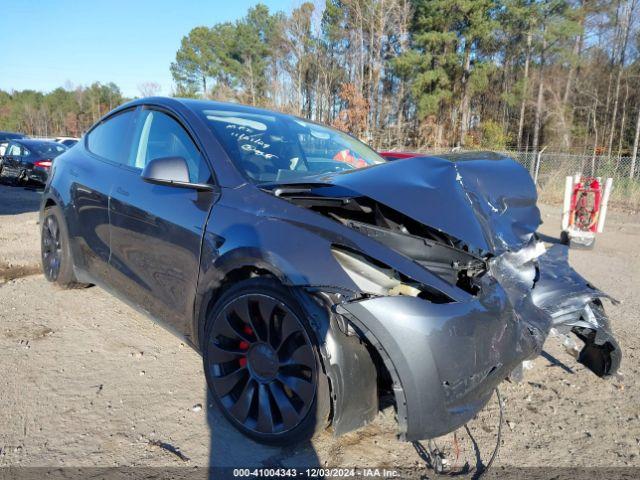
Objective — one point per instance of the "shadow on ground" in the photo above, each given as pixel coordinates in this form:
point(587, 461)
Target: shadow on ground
point(19, 198)
point(230, 449)
point(549, 239)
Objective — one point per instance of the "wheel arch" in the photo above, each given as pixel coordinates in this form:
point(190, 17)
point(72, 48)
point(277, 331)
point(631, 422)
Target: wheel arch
point(347, 359)
point(49, 202)
point(216, 288)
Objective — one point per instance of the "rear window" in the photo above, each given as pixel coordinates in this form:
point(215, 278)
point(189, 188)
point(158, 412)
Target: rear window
point(49, 149)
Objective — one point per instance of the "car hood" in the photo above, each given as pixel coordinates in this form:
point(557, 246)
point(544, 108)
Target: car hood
point(485, 200)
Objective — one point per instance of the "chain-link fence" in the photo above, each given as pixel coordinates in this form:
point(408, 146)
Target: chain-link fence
point(550, 170)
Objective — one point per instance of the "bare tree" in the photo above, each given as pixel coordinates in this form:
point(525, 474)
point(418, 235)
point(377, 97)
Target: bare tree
point(149, 89)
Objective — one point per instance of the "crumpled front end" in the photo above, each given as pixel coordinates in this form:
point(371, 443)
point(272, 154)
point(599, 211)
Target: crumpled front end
point(446, 280)
point(447, 358)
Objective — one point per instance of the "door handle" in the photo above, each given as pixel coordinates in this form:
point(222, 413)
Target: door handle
point(122, 191)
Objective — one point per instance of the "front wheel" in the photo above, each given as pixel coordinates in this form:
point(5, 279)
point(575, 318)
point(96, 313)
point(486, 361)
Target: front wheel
point(262, 364)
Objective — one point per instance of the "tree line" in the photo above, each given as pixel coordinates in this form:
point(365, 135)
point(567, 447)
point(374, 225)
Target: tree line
point(434, 73)
point(62, 112)
point(406, 74)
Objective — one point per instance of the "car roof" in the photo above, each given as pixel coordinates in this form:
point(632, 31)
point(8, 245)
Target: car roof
point(11, 135)
point(35, 142)
point(197, 105)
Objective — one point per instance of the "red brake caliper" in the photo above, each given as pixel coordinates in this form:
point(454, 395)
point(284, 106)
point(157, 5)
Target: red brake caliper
point(244, 345)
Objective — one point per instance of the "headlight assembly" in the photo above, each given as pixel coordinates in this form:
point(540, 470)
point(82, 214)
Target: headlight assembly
point(370, 277)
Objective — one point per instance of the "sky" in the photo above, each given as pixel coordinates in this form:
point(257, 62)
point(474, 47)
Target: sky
point(45, 44)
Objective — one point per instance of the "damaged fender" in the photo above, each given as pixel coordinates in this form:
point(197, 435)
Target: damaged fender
point(445, 359)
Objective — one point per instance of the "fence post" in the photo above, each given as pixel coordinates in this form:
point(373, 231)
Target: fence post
point(636, 140)
point(566, 207)
point(537, 169)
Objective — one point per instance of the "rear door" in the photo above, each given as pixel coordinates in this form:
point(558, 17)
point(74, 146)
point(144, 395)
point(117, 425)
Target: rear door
point(12, 159)
point(92, 172)
point(26, 159)
point(156, 230)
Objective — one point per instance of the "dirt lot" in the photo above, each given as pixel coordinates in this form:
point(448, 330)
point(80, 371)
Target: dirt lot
point(88, 381)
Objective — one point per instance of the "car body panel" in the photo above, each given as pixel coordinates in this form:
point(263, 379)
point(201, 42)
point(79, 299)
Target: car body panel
point(155, 238)
point(489, 203)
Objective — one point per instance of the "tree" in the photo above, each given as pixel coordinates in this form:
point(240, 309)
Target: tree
point(149, 89)
point(195, 61)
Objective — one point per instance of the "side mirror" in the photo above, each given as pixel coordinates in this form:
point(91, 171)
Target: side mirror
point(172, 171)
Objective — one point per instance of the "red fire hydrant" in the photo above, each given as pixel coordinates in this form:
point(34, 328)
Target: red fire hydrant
point(586, 201)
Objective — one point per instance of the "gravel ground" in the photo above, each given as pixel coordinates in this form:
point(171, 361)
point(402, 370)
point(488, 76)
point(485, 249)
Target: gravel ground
point(87, 381)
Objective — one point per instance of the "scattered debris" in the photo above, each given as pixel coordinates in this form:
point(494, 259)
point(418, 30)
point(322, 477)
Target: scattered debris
point(10, 272)
point(197, 407)
point(99, 387)
point(169, 448)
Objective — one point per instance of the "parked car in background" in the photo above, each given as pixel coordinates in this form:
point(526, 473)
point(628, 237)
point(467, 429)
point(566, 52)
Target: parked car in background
point(67, 141)
point(399, 155)
point(313, 275)
point(5, 137)
point(28, 159)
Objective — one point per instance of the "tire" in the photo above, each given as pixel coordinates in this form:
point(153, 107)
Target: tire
point(564, 238)
point(57, 262)
point(262, 364)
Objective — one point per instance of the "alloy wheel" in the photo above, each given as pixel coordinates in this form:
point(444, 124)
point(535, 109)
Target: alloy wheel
point(51, 247)
point(261, 364)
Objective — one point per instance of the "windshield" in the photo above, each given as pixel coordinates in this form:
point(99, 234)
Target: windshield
point(279, 148)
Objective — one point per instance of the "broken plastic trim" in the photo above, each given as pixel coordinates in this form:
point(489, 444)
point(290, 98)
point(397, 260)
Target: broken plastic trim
point(375, 278)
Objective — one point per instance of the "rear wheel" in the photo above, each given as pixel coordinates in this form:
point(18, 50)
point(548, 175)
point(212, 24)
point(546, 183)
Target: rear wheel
point(57, 263)
point(262, 364)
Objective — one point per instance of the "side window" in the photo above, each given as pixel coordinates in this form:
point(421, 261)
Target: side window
point(14, 150)
point(25, 152)
point(158, 135)
point(110, 139)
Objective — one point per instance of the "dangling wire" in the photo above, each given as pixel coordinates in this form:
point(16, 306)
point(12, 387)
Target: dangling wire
point(499, 437)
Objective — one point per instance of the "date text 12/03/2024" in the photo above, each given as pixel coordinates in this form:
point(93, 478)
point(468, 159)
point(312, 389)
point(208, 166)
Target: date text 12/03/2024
point(316, 472)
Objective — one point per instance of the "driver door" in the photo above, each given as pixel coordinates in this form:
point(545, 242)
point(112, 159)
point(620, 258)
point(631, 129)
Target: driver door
point(156, 230)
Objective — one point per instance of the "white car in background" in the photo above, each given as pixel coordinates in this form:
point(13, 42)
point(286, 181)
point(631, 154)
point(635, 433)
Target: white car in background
point(67, 141)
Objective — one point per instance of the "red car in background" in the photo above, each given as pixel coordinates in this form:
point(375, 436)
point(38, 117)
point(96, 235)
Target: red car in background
point(400, 155)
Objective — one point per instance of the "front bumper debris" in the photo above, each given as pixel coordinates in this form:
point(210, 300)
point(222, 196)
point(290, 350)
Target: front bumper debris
point(446, 359)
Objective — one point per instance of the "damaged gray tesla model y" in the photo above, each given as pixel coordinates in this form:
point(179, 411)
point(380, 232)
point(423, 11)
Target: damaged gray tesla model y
point(313, 275)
